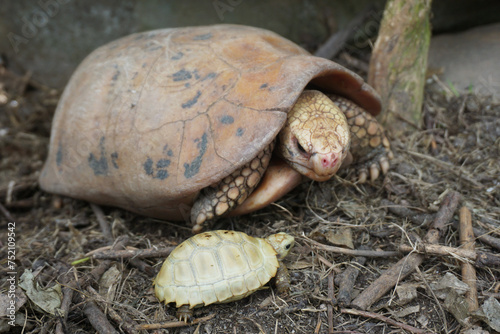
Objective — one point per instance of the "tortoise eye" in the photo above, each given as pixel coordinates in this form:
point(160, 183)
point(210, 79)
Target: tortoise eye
point(301, 149)
point(287, 247)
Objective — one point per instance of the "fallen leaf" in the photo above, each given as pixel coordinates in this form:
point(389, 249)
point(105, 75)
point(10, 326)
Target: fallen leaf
point(48, 299)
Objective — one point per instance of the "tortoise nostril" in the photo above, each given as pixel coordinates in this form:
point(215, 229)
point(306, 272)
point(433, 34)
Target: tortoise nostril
point(329, 163)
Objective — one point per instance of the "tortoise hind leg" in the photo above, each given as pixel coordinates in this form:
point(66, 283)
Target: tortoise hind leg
point(219, 199)
point(370, 147)
point(184, 313)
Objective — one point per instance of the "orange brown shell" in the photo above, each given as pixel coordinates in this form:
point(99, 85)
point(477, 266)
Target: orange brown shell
point(148, 120)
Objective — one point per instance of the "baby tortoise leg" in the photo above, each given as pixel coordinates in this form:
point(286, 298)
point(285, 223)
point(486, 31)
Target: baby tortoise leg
point(217, 200)
point(184, 313)
point(282, 279)
point(370, 147)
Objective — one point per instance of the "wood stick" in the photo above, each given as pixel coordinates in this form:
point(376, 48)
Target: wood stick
point(331, 298)
point(413, 215)
point(127, 324)
point(348, 278)
point(98, 319)
point(103, 223)
point(173, 324)
point(407, 265)
point(384, 319)
point(66, 302)
point(481, 259)
point(131, 253)
point(468, 270)
point(354, 252)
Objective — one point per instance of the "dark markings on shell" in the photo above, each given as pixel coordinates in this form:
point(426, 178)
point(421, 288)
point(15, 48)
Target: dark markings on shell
point(264, 85)
point(116, 75)
point(181, 75)
point(162, 163)
point(159, 170)
point(194, 167)
point(148, 166)
point(59, 155)
point(177, 56)
point(239, 132)
point(196, 74)
point(192, 101)
point(187, 85)
point(167, 151)
point(114, 158)
point(202, 37)
point(226, 119)
point(99, 166)
point(161, 174)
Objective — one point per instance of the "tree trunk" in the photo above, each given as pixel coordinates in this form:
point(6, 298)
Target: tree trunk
point(399, 61)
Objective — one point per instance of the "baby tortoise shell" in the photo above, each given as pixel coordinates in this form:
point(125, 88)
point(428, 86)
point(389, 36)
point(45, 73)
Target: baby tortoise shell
point(219, 267)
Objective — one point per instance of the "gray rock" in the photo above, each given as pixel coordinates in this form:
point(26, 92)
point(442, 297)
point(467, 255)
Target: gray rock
point(469, 60)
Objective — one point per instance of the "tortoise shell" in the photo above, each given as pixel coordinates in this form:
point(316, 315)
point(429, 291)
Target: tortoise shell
point(217, 266)
point(148, 120)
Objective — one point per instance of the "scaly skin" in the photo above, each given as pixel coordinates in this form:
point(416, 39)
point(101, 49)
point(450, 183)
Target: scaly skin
point(221, 198)
point(370, 148)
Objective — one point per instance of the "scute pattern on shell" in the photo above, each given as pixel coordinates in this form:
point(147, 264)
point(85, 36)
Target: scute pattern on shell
point(217, 266)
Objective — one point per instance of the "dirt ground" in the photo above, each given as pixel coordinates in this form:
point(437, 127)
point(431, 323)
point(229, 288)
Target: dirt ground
point(456, 149)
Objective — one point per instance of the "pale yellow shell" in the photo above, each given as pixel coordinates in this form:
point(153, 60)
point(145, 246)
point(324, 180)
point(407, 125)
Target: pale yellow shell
point(215, 267)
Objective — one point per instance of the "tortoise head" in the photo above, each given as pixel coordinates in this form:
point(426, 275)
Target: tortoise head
point(282, 243)
point(315, 139)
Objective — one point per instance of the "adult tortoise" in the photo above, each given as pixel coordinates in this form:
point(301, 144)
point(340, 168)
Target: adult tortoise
point(220, 267)
point(180, 124)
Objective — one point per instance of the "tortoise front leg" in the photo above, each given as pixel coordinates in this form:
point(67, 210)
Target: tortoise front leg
point(184, 313)
point(282, 279)
point(218, 200)
point(370, 148)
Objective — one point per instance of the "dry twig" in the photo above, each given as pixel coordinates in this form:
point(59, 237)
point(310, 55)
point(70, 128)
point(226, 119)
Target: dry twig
point(468, 270)
point(130, 253)
point(348, 278)
point(406, 265)
point(331, 298)
point(384, 319)
point(353, 252)
point(103, 223)
point(174, 324)
point(123, 321)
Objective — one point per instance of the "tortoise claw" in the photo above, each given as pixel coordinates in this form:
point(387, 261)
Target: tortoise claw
point(184, 314)
point(384, 165)
point(374, 172)
point(362, 177)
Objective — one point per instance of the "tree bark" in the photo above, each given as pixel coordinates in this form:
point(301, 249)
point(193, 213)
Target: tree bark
point(399, 61)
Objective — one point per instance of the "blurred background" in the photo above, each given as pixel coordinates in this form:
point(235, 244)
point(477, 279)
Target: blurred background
point(49, 38)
